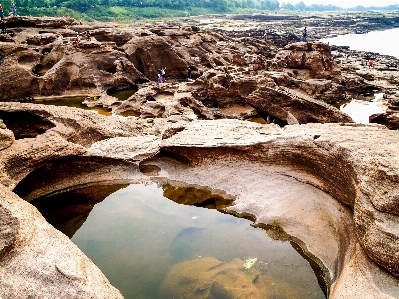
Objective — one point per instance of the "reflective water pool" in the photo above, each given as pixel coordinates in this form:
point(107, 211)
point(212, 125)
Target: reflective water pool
point(360, 111)
point(71, 102)
point(150, 246)
point(122, 95)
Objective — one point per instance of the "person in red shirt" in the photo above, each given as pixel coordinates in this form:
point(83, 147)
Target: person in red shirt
point(1, 12)
point(370, 64)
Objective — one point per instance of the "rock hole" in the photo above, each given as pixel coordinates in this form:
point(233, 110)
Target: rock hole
point(25, 124)
point(149, 169)
point(41, 69)
point(110, 68)
point(45, 51)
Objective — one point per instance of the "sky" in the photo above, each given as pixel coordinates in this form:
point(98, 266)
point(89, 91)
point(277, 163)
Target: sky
point(346, 3)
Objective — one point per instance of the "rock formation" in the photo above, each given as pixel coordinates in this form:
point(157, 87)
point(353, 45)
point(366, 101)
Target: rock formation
point(340, 167)
point(390, 121)
point(44, 149)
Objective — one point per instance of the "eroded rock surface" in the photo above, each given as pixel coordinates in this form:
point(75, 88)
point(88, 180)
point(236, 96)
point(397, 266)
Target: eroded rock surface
point(227, 71)
point(234, 78)
point(357, 173)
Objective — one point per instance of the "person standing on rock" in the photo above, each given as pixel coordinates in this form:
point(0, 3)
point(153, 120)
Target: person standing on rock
point(304, 34)
point(371, 64)
point(159, 78)
point(163, 73)
point(188, 73)
point(14, 9)
point(77, 39)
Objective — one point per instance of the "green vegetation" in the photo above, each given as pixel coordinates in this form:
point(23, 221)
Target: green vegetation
point(120, 10)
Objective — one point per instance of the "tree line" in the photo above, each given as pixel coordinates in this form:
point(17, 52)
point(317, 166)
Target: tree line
point(125, 9)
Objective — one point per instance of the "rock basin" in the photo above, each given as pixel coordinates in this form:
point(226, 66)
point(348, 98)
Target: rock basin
point(233, 156)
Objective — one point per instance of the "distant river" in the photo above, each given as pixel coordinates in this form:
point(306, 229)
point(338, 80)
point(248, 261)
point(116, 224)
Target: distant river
point(382, 42)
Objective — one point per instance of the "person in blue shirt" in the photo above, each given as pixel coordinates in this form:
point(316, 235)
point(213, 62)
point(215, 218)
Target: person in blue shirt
point(14, 9)
point(304, 34)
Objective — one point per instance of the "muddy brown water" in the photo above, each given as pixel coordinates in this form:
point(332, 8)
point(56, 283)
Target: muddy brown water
point(138, 233)
point(75, 101)
point(122, 95)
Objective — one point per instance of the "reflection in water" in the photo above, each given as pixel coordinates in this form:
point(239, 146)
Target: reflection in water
point(142, 241)
point(200, 197)
point(122, 95)
point(72, 102)
point(68, 211)
point(360, 111)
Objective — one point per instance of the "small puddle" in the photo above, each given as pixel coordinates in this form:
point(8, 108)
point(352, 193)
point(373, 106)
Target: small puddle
point(360, 111)
point(151, 246)
point(71, 102)
point(122, 95)
point(259, 120)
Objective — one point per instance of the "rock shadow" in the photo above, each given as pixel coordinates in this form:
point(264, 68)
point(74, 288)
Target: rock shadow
point(25, 124)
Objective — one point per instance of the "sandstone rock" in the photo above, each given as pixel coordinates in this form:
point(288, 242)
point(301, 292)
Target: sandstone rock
point(390, 121)
point(371, 224)
point(6, 136)
point(38, 259)
point(315, 57)
point(52, 22)
point(58, 67)
point(103, 100)
point(70, 130)
point(294, 108)
point(343, 160)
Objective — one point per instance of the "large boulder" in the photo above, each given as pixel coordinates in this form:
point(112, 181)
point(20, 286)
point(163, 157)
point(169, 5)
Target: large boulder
point(314, 57)
point(55, 67)
point(293, 107)
point(391, 121)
